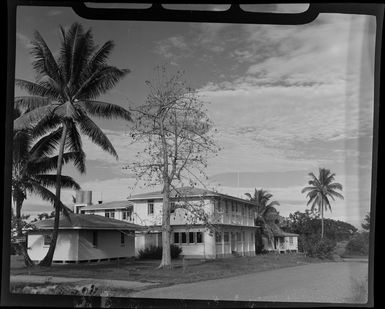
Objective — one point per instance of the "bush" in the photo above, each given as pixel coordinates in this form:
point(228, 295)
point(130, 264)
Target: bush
point(155, 252)
point(358, 244)
point(314, 246)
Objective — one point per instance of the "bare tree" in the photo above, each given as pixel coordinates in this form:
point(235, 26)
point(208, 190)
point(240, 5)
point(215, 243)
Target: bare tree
point(177, 136)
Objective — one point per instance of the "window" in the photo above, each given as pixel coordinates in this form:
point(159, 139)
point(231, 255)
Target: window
point(232, 207)
point(172, 207)
point(226, 237)
point(191, 237)
point(243, 236)
point(199, 237)
point(291, 240)
point(252, 236)
point(184, 238)
point(150, 207)
point(218, 237)
point(227, 207)
point(109, 214)
point(219, 207)
point(243, 211)
point(94, 238)
point(121, 239)
point(176, 238)
point(239, 236)
point(126, 215)
point(47, 239)
point(236, 207)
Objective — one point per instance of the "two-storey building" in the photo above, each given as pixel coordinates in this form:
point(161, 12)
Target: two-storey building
point(228, 230)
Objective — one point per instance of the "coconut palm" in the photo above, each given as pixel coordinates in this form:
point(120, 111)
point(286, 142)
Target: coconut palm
point(319, 192)
point(265, 213)
point(65, 95)
point(32, 162)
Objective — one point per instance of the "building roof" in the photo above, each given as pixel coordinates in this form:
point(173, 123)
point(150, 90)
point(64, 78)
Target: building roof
point(109, 205)
point(86, 222)
point(187, 192)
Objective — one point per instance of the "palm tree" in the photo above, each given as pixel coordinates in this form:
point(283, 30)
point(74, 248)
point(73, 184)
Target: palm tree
point(32, 162)
point(320, 190)
point(265, 213)
point(65, 95)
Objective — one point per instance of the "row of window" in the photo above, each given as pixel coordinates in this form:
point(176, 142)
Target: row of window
point(235, 208)
point(188, 237)
point(126, 214)
point(150, 207)
point(238, 236)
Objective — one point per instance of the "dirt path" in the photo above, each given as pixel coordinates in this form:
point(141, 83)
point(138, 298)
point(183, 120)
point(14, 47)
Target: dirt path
point(323, 282)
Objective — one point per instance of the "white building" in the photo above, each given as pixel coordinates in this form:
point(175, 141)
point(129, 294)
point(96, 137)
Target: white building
point(231, 217)
point(83, 238)
point(283, 242)
point(120, 210)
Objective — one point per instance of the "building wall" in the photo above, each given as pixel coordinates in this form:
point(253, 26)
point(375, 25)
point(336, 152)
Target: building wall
point(239, 240)
point(291, 246)
point(179, 217)
point(66, 246)
point(118, 214)
point(283, 244)
point(108, 245)
point(223, 211)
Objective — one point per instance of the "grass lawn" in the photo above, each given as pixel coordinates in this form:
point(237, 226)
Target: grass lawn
point(182, 272)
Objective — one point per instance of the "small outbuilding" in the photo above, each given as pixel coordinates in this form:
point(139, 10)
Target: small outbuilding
point(83, 238)
point(282, 242)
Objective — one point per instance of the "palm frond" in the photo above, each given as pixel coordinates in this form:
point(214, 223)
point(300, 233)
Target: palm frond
point(100, 82)
point(82, 48)
point(49, 164)
point(29, 119)
point(89, 128)
point(46, 195)
point(46, 145)
point(49, 180)
point(100, 56)
point(105, 110)
point(44, 62)
point(74, 144)
point(28, 103)
point(46, 124)
point(36, 89)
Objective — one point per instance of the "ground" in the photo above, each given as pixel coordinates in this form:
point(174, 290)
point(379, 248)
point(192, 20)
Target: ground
point(286, 277)
point(322, 282)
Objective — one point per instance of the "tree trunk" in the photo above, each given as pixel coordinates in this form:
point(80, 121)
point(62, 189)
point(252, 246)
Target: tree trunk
point(22, 247)
point(166, 229)
point(47, 261)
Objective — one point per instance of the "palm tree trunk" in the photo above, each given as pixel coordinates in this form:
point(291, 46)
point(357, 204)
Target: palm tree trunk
point(22, 247)
point(322, 220)
point(47, 261)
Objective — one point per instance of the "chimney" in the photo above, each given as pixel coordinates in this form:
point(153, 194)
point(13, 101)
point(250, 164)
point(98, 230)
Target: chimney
point(83, 198)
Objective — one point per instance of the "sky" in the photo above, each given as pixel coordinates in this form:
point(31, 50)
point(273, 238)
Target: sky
point(285, 100)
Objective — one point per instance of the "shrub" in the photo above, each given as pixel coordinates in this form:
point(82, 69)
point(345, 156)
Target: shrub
point(358, 244)
point(155, 252)
point(314, 246)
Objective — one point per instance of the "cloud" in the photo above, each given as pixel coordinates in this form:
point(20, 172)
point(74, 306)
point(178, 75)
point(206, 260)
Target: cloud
point(23, 40)
point(54, 12)
point(173, 47)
